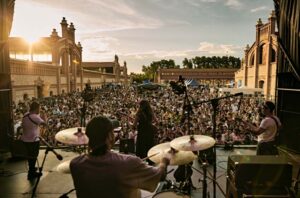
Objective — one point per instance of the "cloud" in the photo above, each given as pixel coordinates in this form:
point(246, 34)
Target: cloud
point(235, 4)
point(261, 8)
point(98, 48)
point(106, 15)
point(219, 49)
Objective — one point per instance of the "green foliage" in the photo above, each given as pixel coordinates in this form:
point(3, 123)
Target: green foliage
point(138, 78)
point(187, 63)
point(198, 62)
point(151, 70)
point(216, 62)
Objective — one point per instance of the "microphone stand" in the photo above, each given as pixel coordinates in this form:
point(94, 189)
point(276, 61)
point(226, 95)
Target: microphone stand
point(187, 109)
point(83, 111)
point(215, 102)
point(58, 156)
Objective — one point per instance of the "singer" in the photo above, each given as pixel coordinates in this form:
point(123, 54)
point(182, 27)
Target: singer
point(30, 136)
point(104, 173)
point(146, 130)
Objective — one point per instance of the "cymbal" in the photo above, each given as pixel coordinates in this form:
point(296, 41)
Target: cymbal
point(159, 151)
point(192, 143)
point(72, 136)
point(64, 167)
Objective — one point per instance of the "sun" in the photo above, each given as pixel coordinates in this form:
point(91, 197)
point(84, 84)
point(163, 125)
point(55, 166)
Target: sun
point(31, 38)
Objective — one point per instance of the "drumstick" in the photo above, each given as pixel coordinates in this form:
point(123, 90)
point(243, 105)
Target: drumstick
point(150, 156)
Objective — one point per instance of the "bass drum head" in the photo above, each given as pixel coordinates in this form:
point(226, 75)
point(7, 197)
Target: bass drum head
point(170, 194)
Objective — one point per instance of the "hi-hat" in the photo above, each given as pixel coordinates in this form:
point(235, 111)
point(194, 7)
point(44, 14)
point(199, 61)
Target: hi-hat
point(64, 167)
point(159, 151)
point(192, 143)
point(72, 136)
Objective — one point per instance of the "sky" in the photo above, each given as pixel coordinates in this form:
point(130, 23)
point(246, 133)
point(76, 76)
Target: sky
point(143, 31)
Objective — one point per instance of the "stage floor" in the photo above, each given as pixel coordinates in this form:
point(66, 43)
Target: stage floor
point(14, 183)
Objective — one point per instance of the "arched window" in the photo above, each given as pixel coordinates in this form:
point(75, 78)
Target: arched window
point(261, 84)
point(273, 55)
point(261, 56)
point(252, 59)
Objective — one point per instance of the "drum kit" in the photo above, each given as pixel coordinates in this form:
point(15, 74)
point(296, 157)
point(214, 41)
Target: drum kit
point(181, 151)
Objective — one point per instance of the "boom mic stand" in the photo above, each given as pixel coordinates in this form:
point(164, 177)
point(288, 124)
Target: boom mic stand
point(58, 156)
point(215, 102)
point(180, 88)
point(87, 95)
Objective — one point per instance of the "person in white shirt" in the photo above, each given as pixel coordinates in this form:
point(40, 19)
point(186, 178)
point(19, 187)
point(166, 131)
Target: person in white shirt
point(30, 124)
point(267, 130)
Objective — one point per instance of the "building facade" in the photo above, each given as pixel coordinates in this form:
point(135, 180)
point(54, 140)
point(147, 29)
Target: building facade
point(54, 65)
point(203, 76)
point(259, 64)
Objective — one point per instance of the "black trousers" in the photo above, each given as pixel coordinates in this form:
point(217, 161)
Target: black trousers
point(267, 148)
point(33, 152)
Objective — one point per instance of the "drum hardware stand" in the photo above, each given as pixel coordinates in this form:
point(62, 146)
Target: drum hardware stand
point(65, 195)
point(58, 156)
point(204, 180)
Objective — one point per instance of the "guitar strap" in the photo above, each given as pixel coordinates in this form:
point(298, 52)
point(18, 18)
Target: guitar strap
point(275, 121)
point(28, 115)
point(277, 131)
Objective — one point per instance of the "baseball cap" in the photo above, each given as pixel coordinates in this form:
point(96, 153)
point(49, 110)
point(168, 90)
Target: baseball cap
point(98, 129)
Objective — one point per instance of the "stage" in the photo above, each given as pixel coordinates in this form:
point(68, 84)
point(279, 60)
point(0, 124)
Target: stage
point(14, 183)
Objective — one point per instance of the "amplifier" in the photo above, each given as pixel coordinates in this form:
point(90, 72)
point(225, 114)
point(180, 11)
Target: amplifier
point(253, 174)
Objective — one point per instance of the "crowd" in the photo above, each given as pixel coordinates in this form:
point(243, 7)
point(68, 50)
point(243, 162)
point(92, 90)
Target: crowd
point(171, 115)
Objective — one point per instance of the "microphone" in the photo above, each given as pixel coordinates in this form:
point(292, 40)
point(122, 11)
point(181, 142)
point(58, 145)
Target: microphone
point(50, 148)
point(239, 94)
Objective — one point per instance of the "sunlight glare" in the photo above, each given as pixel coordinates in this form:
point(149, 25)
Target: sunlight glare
point(31, 38)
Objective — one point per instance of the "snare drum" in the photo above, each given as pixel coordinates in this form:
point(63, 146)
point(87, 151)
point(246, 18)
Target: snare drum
point(171, 193)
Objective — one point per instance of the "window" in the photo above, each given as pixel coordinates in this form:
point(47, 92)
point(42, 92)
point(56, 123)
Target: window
point(261, 84)
point(252, 60)
point(273, 55)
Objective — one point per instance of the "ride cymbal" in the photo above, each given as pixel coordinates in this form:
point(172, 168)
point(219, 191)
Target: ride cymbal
point(72, 136)
point(192, 143)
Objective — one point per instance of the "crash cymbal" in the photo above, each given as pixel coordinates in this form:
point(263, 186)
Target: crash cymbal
point(72, 136)
point(159, 151)
point(192, 143)
point(64, 167)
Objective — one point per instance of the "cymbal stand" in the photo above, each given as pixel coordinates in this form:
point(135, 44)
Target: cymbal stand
point(214, 104)
point(204, 182)
point(205, 177)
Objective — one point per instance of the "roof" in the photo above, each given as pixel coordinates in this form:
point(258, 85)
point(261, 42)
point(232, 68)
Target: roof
point(98, 64)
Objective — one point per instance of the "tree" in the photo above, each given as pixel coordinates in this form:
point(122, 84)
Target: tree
point(187, 63)
point(151, 70)
point(138, 78)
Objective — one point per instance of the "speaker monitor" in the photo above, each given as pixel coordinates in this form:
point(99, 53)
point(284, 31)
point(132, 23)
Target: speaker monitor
point(259, 175)
point(127, 146)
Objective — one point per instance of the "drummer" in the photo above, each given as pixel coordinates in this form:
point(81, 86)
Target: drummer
point(104, 173)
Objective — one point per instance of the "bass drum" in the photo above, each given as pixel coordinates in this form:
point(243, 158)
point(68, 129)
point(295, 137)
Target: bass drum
point(170, 194)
